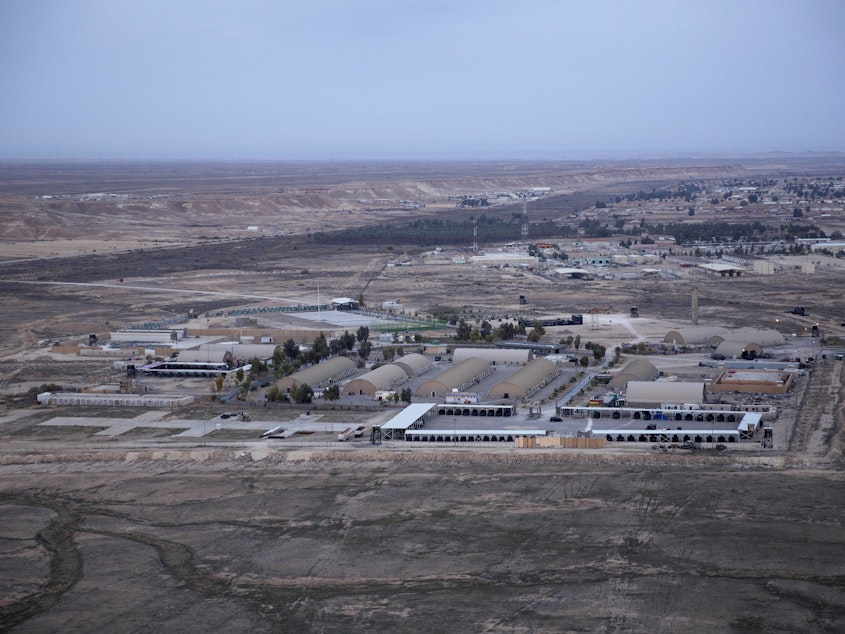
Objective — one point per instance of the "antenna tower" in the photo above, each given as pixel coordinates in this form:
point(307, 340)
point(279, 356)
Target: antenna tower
point(475, 235)
point(524, 218)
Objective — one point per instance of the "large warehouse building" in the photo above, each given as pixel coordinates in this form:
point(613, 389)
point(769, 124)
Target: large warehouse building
point(241, 352)
point(414, 364)
point(493, 356)
point(739, 349)
point(384, 377)
point(460, 377)
point(698, 336)
point(657, 393)
point(636, 370)
point(762, 337)
point(526, 381)
point(319, 375)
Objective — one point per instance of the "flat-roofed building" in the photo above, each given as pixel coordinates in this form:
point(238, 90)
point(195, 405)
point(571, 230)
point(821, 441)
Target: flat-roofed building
point(658, 393)
point(753, 381)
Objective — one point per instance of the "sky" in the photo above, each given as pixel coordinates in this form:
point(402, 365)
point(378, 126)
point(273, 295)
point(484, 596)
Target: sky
point(427, 79)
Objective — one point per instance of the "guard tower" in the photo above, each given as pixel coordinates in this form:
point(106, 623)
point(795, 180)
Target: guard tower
point(375, 435)
point(768, 438)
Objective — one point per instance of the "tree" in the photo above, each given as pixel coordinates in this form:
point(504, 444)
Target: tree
point(332, 393)
point(505, 331)
point(585, 361)
point(406, 394)
point(303, 393)
point(278, 356)
point(320, 347)
point(364, 350)
point(363, 334)
point(275, 394)
point(388, 354)
point(291, 349)
point(218, 383)
point(485, 328)
point(257, 367)
point(797, 213)
point(576, 343)
point(464, 330)
point(347, 340)
point(239, 375)
point(361, 301)
point(599, 351)
point(536, 332)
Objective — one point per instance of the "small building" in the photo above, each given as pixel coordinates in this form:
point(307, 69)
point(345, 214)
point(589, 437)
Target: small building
point(131, 335)
point(462, 398)
point(345, 303)
point(725, 270)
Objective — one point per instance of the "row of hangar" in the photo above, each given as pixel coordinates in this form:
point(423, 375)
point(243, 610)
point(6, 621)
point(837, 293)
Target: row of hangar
point(470, 367)
point(742, 342)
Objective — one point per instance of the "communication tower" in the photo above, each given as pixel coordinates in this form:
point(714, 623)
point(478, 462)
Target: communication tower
point(524, 218)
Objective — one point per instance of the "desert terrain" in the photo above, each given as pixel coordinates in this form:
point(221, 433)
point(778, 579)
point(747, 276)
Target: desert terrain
point(231, 532)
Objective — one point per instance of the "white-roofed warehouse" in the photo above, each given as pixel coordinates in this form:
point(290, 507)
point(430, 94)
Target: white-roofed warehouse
point(495, 356)
point(525, 381)
point(206, 356)
point(656, 393)
point(244, 352)
point(460, 377)
point(319, 375)
point(384, 377)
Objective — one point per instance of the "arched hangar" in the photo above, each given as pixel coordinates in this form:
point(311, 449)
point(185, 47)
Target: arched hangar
point(526, 381)
point(319, 375)
point(460, 377)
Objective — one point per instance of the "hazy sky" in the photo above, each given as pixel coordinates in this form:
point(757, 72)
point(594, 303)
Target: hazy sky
point(347, 79)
